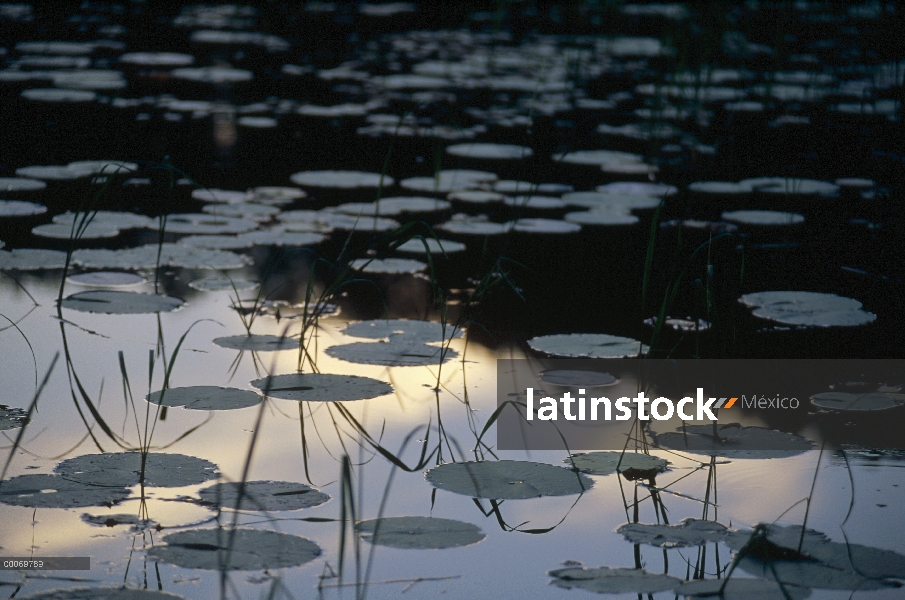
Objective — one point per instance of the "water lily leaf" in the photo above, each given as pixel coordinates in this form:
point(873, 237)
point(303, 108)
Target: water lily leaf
point(507, 479)
point(391, 266)
point(738, 588)
point(118, 519)
point(219, 284)
point(604, 463)
point(850, 401)
point(578, 378)
point(545, 226)
point(819, 318)
point(11, 417)
point(395, 353)
point(690, 532)
point(257, 343)
point(32, 259)
point(106, 279)
point(116, 219)
point(322, 387)
point(19, 208)
point(490, 151)
point(204, 223)
point(601, 217)
point(264, 495)
point(341, 179)
point(420, 532)
point(435, 247)
point(762, 217)
point(448, 180)
point(53, 491)
point(252, 550)
point(797, 301)
point(21, 184)
point(146, 257)
point(593, 345)
point(422, 331)
point(735, 442)
point(124, 469)
point(112, 302)
point(612, 580)
point(103, 593)
point(597, 157)
point(394, 206)
point(205, 397)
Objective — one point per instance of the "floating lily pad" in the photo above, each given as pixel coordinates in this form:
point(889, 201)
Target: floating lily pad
point(690, 532)
point(252, 550)
point(490, 151)
point(102, 593)
point(280, 237)
point(507, 479)
point(20, 208)
point(216, 242)
point(20, 184)
point(389, 266)
point(638, 188)
point(53, 491)
point(112, 302)
point(420, 532)
point(808, 309)
point(395, 353)
point(124, 469)
point(119, 519)
point(578, 378)
point(203, 223)
point(612, 580)
point(597, 157)
point(93, 231)
point(32, 259)
point(322, 387)
point(220, 284)
point(545, 226)
point(791, 186)
point(592, 345)
point(735, 442)
point(145, 257)
point(244, 210)
point(264, 495)
point(435, 247)
point(11, 417)
point(422, 331)
point(738, 588)
point(205, 397)
point(536, 202)
point(341, 179)
point(393, 206)
point(762, 217)
point(106, 279)
point(601, 218)
point(476, 196)
point(257, 343)
point(475, 227)
point(601, 201)
point(449, 180)
point(850, 401)
point(604, 463)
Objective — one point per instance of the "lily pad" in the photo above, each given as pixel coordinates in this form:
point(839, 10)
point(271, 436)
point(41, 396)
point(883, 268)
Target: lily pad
point(106, 279)
point(545, 226)
point(32, 259)
point(257, 343)
point(808, 309)
point(612, 580)
point(112, 302)
point(145, 257)
point(490, 151)
point(738, 588)
point(252, 550)
point(53, 491)
point(389, 266)
point(264, 495)
point(322, 387)
point(435, 247)
point(20, 208)
point(593, 345)
point(578, 378)
point(420, 532)
point(448, 180)
point(20, 184)
point(102, 593)
point(507, 479)
point(220, 284)
point(341, 179)
point(850, 401)
point(735, 442)
point(597, 157)
point(604, 218)
point(423, 331)
point(93, 231)
point(395, 353)
point(11, 417)
point(205, 397)
point(124, 469)
point(604, 463)
point(762, 217)
point(690, 532)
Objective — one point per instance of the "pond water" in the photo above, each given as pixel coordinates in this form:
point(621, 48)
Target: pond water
point(288, 246)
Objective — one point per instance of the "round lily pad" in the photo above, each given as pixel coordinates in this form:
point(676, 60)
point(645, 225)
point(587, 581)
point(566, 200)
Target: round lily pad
point(11, 417)
point(593, 345)
point(597, 157)
point(53, 491)
point(690, 532)
point(32, 259)
point(389, 266)
point(124, 469)
point(601, 217)
point(578, 378)
point(264, 495)
point(252, 550)
point(20, 208)
point(808, 309)
point(435, 247)
point(322, 387)
point(507, 479)
point(420, 532)
point(219, 284)
point(735, 442)
point(423, 331)
point(604, 463)
point(762, 217)
point(449, 180)
point(545, 226)
point(341, 179)
point(112, 302)
point(205, 397)
point(612, 580)
point(257, 343)
point(850, 401)
point(93, 231)
point(102, 593)
point(475, 227)
point(106, 279)
point(395, 353)
point(490, 151)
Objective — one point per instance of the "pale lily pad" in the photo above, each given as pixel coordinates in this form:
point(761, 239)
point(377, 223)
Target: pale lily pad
point(124, 469)
point(112, 302)
point(490, 151)
point(341, 179)
point(32, 259)
point(601, 201)
point(322, 387)
point(395, 353)
point(102, 593)
point(507, 479)
point(53, 491)
point(435, 247)
point(20, 184)
point(205, 397)
point(475, 227)
point(735, 442)
point(116, 219)
point(394, 206)
point(741, 589)
point(597, 157)
point(145, 257)
point(204, 223)
point(106, 279)
point(601, 218)
point(791, 186)
point(536, 202)
point(545, 226)
point(592, 345)
point(422, 331)
point(762, 217)
point(449, 180)
point(11, 417)
point(420, 532)
point(119, 519)
point(719, 187)
point(220, 284)
point(93, 231)
point(280, 237)
point(578, 378)
point(850, 401)
point(20, 208)
point(638, 188)
point(245, 210)
point(216, 242)
point(389, 266)
point(612, 580)
point(264, 495)
point(831, 318)
point(252, 550)
point(690, 532)
point(795, 301)
point(476, 196)
point(220, 196)
point(604, 463)
point(257, 343)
